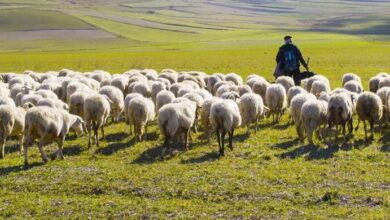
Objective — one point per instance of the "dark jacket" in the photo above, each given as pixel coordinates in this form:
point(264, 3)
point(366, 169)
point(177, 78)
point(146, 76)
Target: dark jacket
point(286, 47)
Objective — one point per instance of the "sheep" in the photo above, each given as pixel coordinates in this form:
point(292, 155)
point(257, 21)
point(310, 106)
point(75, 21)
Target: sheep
point(353, 86)
point(65, 72)
point(163, 98)
point(53, 103)
point(384, 82)
point(74, 86)
point(184, 91)
point(7, 101)
point(324, 96)
point(11, 123)
point(76, 103)
point(230, 95)
point(225, 88)
point(170, 75)
point(176, 119)
point(48, 125)
point(177, 86)
point(295, 111)
point(340, 111)
point(47, 94)
point(140, 87)
point(32, 98)
point(140, 112)
point(294, 91)
point(156, 88)
point(286, 81)
point(4, 91)
point(251, 109)
point(350, 76)
point(369, 107)
point(243, 89)
point(260, 88)
point(374, 83)
point(225, 117)
point(204, 93)
point(121, 82)
point(307, 83)
point(232, 77)
point(383, 94)
point(313, 115)
point(205, 116)
point(100, 75)
point(212, 80)
point(117, 101)
point(318, 87)
point(96, 111)
point(220, 84)
point(165, 81)
point(276, 100)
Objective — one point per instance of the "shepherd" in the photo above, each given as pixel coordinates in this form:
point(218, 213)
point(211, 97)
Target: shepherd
point(288, 60)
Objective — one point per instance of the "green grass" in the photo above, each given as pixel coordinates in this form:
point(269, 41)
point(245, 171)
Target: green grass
point(27, 19)
point(267, 175)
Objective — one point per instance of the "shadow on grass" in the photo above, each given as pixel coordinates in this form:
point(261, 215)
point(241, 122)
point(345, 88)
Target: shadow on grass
point(287, 144)
point(7, 170)
point(205, 158)
point(282, 126)
point(72, 150)
point(12, 149)
point(150, 155)
point(115, 146)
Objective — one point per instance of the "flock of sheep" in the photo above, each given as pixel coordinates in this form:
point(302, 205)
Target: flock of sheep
point(43, 107)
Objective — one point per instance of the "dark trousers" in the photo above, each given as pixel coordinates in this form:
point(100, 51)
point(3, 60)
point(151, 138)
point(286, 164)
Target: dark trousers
point(294, 74)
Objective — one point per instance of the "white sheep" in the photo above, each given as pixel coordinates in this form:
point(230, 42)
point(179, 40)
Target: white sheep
point(212, 80)
point(140, 112)
point(340, 111)
point(53, 103)
point(96, 112)
point(260, 87)
point(251, 109)
point(121, 82)
point(384, 82)
point(225, 117)
point(369, 108)
point(156, 88)
point(11, 123)
point(243, 89)
point(140, 87)
point(286, 81)
point(350, 76)
point(205, 116)
point(232, 77)
point(276, 100)
point(49, 125)
point(163, 98)
point(307, 83)
point(319, 86)
point(117, 101)
point(176, 119)
point(295, 111)
point(354, 86)
point(294, 91)
point(313, 115)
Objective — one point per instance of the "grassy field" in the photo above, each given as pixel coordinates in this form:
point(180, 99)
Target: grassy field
point(268, 174)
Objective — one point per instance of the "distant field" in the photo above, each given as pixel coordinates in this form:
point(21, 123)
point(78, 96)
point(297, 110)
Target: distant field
point(25, 19)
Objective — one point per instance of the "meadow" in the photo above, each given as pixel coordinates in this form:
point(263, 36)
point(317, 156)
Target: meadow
point(269, 174)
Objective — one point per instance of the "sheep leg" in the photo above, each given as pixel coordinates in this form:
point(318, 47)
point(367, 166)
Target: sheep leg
point(219, 142)
point(344, 135)
point(2, 153)
point(60, 144)
point(165, 147)
point(223, 142)
point(365, 130)
point(25, 148)
point(21, 138)
point(231, 139)
point(43, 154)
point(130, 130)
point(186, 139)
point(102, 129)
point(89, 137)
point(372, 129)
point(357, 126)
